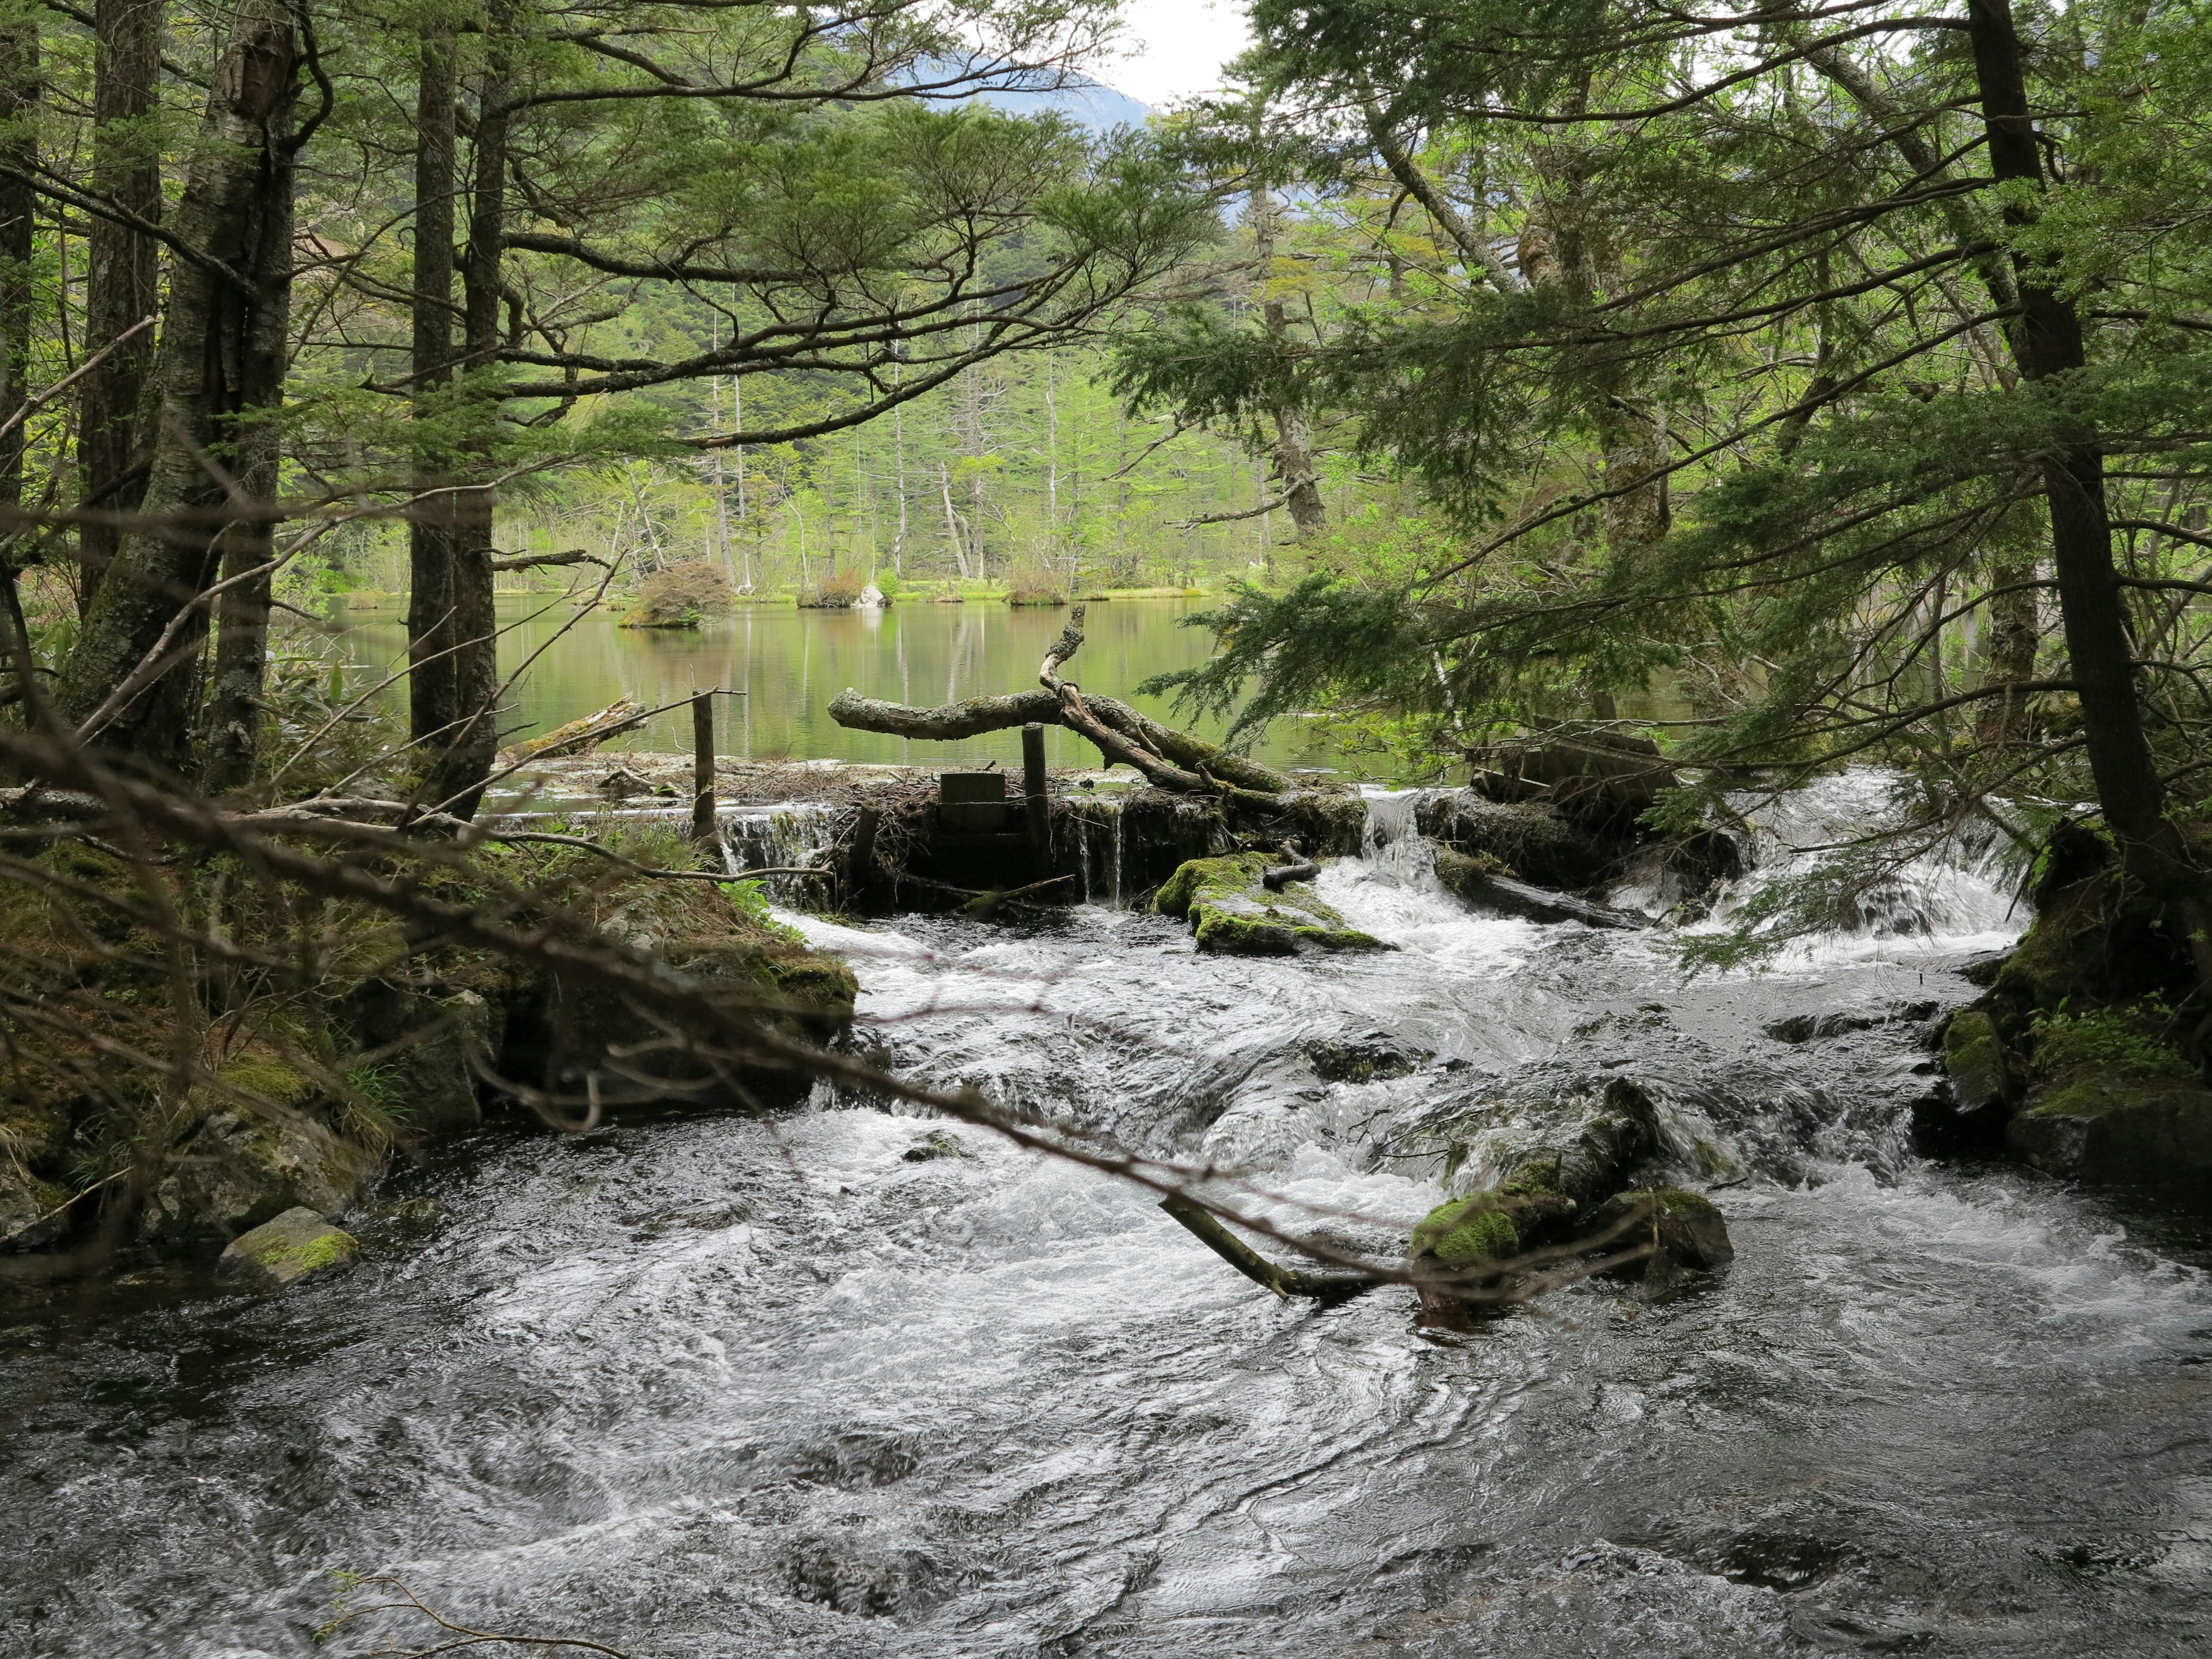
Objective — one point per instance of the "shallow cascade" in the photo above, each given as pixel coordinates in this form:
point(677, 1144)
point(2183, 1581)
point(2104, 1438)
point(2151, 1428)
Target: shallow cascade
point(852, 1382)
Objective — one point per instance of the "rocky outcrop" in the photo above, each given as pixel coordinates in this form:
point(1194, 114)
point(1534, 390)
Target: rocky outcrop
point(2069, 1061)
point(1232, 913)
point(300, 1101)
point(287, 1249)
point(1564, 1202)
point(266, 1138)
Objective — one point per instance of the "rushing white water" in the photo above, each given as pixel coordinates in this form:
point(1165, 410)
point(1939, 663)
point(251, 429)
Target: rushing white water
point(733, 1388)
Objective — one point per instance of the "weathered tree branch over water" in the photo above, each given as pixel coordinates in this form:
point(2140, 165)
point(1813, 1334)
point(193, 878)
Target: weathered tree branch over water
point(1167, 757)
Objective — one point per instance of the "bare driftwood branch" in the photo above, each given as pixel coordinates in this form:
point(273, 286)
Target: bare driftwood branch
point(1199, 766)
point(538, 561)
point(1285, 1282)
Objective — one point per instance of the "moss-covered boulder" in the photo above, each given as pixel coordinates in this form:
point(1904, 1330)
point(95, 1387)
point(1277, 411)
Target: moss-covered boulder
point(1975, 1061)
point(1584, 1163)
point(1668, 1234)
point(264, 1139)
point(288, 1248)
point(2122, 1130)
point(1232, 913)
point(1527, 839)
point(1463, 1231)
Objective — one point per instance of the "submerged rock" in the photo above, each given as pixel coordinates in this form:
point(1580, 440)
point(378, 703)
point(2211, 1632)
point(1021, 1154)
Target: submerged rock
point(296, 1245)
point(1373, 1058)
point(1233, 915)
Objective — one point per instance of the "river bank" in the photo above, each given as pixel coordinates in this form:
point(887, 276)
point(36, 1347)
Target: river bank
point(851, 1380)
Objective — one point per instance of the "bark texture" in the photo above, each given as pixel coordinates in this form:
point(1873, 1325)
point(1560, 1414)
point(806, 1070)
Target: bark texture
point(121, 282)
point(457, 779)
point(222, 358)
point(19, 100)
point(433, 709)
point(2049, 342)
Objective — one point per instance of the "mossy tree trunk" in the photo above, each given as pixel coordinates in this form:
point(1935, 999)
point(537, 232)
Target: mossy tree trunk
point(222, 364)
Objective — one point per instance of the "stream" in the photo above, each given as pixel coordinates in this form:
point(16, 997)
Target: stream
point(823, 1385)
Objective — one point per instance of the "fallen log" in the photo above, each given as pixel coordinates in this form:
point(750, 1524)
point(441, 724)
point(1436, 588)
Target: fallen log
point(580, 737)
point(1173, 760)
point(1298, 869)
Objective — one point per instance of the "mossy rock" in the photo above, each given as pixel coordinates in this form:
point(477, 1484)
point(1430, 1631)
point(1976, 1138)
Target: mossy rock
point(233, 1165)
point(27, 1203)
point(1232, 913)
point(1581, 1170)
point(281, 1252)
point(1530, 839)
point(1975, 1061)
point(1463, 1232)
point(2124, 1128)
point(1466, 876)
point(1684, 1231)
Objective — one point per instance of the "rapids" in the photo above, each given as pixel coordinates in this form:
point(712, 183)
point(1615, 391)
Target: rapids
point(824, 1385)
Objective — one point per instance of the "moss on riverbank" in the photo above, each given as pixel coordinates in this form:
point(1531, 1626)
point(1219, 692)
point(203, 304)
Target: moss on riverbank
point(275, 1049)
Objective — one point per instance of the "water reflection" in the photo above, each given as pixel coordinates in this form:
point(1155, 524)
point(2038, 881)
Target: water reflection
point(791, 663)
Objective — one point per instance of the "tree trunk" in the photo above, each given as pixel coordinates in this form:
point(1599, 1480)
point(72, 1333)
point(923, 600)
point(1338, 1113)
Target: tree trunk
point(2009, 659)
point(221, 354)
point(231, 740)
point(433, 709)
point(19, 101)
point(120, 285)
point(1293, 455)
point(459, 775)
point(2049, 342)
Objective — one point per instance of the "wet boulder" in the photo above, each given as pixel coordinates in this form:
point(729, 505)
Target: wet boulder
point(1591, 1159)
point(1374, 1057)
point(2123, 1128)
point(1233, 913)
point(1667, 1235)
point(288, 1248)
point(1975, 1061)
point(244, 1152)
point(34, 1145)
point(1528, 840)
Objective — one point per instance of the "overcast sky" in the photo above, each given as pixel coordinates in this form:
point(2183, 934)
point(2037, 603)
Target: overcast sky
point(1176, 47)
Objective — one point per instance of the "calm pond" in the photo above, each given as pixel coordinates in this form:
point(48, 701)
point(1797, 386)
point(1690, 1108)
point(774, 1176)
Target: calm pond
point(791, 663)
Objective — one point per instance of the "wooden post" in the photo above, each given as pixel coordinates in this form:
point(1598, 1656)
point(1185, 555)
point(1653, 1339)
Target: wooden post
point(860, 863)
point(1040, 809)
point(703, 767)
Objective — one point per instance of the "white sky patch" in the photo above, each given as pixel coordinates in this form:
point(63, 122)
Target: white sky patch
point(1176, 48)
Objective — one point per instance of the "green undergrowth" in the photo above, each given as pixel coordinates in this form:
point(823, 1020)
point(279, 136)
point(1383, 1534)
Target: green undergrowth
point(282, 1042)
